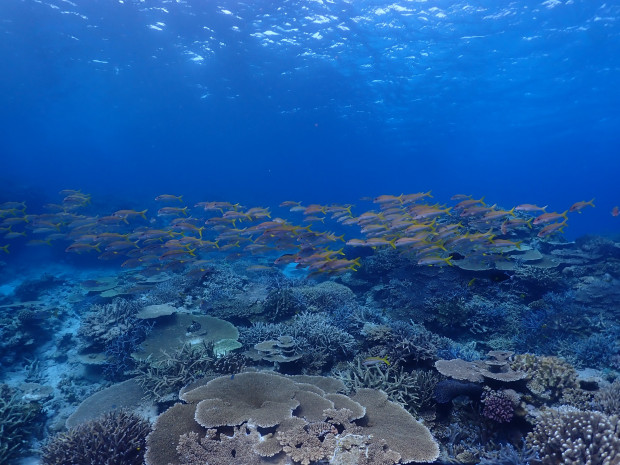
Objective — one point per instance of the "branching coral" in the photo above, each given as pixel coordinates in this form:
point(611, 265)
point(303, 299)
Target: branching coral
point(413, 390)
point(163, 377)
point(116, 438)
point(104, 323)
point(607, 400)
point(574, 437)
point(313, 335)
point(15, 421)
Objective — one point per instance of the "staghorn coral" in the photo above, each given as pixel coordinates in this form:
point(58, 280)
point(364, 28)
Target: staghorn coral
point(162, 377)
point(231, 363)
point(509, 455)
point(116, 438)
point(104, 323)
point(320, 342)
point(573, 437)
point(16, 421)
point(413, 390)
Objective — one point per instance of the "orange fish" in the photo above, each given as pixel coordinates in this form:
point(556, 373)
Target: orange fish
point(551, 229)
point(549, 217)
point(578, 206)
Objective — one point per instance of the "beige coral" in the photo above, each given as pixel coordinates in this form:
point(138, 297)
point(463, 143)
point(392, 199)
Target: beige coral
point(569, 436)
point(306, 424)
point(392, 423)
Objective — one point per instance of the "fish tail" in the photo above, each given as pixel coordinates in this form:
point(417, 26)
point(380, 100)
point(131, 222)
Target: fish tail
point(529, 222)
point(428, 194)
point(385, 359)
point(341, 237)
point(191, 252)
point(200, 232)
point(142, 213)
point(356, 262)
point(183, 210)
point(392, 242)
point(96, 247)
point(180, 198)
point(5, 248)
point(518, 244)
point(563, 215)
point(512, 211)
point(591, 202)
point(447, 260)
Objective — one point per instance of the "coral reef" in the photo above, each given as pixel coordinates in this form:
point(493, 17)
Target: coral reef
point(304, 422)
point(497, 368)
point(507, 454)
point(607, 400)
point(16, 422)
point(116, 438)
point(574, 437)
point(548, 376)
point(162, 377)
point(105, 324)
point(497, 406)
point(319, 341)
point(413, 390)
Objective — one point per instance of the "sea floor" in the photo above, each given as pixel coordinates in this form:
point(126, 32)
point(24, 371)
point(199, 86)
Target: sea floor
point(479, 357)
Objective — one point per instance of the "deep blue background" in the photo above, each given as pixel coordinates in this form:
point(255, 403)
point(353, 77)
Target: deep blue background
point(514, 101)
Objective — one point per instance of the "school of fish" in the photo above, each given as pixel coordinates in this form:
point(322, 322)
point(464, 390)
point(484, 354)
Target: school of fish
point(179, 235)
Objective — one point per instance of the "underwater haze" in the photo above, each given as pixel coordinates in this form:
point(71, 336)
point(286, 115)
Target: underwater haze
point(314, 100)
point(309, 232)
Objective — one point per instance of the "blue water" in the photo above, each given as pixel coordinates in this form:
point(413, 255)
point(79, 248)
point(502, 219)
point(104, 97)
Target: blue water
point(320, 101)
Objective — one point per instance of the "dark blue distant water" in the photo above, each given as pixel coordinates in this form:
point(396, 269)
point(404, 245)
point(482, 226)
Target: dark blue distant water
point(321, 101)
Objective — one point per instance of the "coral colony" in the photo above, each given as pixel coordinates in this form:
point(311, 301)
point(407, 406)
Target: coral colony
point(396, 331)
